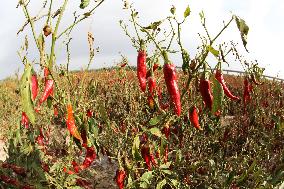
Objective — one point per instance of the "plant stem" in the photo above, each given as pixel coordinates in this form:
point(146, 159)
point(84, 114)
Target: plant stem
point(54, 38)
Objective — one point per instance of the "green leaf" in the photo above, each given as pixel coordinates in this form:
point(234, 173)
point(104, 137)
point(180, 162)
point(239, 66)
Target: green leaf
point(153, 26)
point(173, 10)
point(213, 51)
point(155, 131)
point(161, 184)
point(175, 183)
point(218, 95)
point(135, 148)
point(154, 121)
point(25, 90)
point(84, 3)
point(186, 12)
point(49, 102)
point(165, 166)
point(243, 28)
point(147, 177)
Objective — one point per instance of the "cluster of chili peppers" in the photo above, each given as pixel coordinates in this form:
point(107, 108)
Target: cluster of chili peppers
point(148, 156)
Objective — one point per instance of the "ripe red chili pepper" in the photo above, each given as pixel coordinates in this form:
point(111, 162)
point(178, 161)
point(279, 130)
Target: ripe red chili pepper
point(123, 65)
point(90, 157)
point(167, 131)
point(48, 90)
point(141, 69)
point(120, 177)
point(172, 86)
point(206, 93)
point(18, 170)
point(145, 151)
point(25, 120)
point(9, 180)
point(45, 167)
point(34, 86)
point(90, 113)
point(71, 123)
point(247, 91)
point(69, 172)
point(193, 117)
point(220, 78)
point(55, 110)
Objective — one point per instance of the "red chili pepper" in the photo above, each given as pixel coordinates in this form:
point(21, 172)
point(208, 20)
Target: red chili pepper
point(55, 110)
point(172, 86)
point(148, 156)
point(123, 65)
point(45, 72)
point(167, 131)
point(9, 180)
point(90, 157)
point(206, 93)
point(155, 67)
point(220, 78)
point(18, 170)
point(247, 91)
point(69, 172)
point(120, 177)
point(25, 120)
point(48, 90)
point(76, 167)
point(90, 113)
point(45, 167)
point(193, 117)
point(34, 86)
point(141, 69)
point(71, 123)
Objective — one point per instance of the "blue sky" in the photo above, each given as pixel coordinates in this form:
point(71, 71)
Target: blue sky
point(265, 39)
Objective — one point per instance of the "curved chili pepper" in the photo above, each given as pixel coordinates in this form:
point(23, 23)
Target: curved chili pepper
point(193, 117)
point(255, 81)
point(48, 90)
point(71, 123)
point(141, 69)
point(34, 86)
point(120, 177)
point(90, 157)
point(219, 76)
point(206, 93)
point(172, 86)
point(25, 120)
